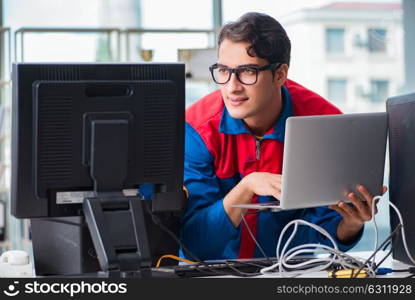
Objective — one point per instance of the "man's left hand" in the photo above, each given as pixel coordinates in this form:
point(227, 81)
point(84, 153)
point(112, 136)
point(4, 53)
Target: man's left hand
point(356, 214)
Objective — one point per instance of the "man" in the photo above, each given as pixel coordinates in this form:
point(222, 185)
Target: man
point(234, 150)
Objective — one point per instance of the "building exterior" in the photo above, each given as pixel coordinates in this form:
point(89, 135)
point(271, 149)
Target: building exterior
point(351, 53)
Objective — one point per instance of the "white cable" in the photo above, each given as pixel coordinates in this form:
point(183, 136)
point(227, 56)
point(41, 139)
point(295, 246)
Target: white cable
point(376, 227)
point(338, 256)
point(341, 259)
point(297, 251)
point(329, 260)
point(403, 232)
point(281, 258)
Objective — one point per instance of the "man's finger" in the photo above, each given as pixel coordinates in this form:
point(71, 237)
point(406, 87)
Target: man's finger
point(362, 207)
point(277, 195)
point(365, 192)
point(352, 212)
point(339, 210)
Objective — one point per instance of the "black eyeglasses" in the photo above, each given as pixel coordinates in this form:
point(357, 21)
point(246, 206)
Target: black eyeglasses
point(246, 74)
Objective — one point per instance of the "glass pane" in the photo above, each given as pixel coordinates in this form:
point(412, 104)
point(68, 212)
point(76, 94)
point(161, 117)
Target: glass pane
point(233, 9)
point(62, 47)
point(177, 14)
point(337, 90)
point(377, 40)
point(19, 13)
point(334, 40)
point(379, 90)
point(165, 46)
point(195, 90)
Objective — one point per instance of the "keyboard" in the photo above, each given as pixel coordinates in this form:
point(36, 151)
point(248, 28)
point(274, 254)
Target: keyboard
point(236, 267)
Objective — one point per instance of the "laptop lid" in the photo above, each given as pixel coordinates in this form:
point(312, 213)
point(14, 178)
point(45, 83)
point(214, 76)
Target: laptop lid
point(325, 157)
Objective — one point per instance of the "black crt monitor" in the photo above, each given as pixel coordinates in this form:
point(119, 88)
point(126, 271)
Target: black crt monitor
point(401, 119)
point(85, 137)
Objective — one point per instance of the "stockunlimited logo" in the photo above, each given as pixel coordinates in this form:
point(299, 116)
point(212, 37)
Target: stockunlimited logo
point(11, 291)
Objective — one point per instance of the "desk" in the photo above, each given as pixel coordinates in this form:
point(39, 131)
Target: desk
point(388, 263)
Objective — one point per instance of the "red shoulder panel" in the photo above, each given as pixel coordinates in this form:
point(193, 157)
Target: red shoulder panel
point(306, 102)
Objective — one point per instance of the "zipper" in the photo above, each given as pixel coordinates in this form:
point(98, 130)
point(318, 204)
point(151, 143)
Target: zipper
point(257, 147)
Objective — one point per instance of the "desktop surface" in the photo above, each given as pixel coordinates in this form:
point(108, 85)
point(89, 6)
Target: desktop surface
point(251, 268)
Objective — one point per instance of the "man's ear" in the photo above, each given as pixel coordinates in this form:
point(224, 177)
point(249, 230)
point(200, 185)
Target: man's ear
point(281, 74)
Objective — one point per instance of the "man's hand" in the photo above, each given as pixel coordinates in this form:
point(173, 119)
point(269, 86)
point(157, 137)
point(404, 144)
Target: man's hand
point(356, 214)
point(256, 183)
point(265, 184)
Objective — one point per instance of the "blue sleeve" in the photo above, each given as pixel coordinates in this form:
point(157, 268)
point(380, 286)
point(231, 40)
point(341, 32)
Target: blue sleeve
point(206, 228)
point(327, 219)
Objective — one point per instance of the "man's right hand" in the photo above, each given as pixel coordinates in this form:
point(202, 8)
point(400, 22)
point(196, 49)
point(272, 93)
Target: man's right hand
point(256, 183)
point(264, 184)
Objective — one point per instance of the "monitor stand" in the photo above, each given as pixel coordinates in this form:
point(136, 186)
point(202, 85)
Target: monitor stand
point(62, 247)
point(119, 235)
point(116, 223)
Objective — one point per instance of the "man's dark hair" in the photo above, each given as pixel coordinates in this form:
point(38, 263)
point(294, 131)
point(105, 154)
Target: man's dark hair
point(266, 36)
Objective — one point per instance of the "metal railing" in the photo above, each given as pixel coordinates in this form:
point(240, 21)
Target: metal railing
point(19, 37)
point(136, 31)
point(82, 30)
point(7, 32)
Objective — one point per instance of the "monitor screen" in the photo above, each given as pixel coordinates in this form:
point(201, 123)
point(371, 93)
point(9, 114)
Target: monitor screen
point(55, 109)
point(401, 118)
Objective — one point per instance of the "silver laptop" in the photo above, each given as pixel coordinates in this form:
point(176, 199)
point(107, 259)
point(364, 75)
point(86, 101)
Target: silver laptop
point(325, 157)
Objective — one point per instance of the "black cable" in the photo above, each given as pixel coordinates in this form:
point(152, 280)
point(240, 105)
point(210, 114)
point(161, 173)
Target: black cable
point(243, 274)
point(376, 266)
point(254, 239)
point(377, 250)
point(156, 220)
point(391, 242)
point(251, 263)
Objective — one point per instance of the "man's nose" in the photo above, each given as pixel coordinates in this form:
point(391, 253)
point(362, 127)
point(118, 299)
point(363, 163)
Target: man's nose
point(234, 85)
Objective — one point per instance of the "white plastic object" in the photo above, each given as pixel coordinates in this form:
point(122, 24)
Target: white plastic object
point(15, 257)
point(15, 263)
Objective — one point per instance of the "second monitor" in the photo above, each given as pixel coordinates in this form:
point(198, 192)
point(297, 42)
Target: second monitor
point(83, 134)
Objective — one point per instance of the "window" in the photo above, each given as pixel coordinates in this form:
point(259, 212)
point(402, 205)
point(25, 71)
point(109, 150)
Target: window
point(187, 14)
point(376, 40)
point(335, 40)
point(379, 90)
point(337, 90)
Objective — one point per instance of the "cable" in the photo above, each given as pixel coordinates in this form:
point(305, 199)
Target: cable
point(244, 274)
point(387, 241)
point(156, 220)
point(403, 232)
point(176, 258)
point(376, 267)
point(391, 242)
point(377, 250)
point(253, 237)
point(375, 225)
point(282, 257)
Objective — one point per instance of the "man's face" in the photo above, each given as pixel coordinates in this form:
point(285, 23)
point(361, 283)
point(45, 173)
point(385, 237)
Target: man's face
point(246, 101)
